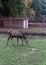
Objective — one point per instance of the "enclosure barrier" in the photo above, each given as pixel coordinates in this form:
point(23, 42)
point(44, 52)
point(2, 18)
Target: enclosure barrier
point(22, 23)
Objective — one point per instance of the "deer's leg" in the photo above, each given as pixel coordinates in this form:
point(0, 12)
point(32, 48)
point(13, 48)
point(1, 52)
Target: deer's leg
point(17, 40)
point(22, 42)
point(8, 39)
point(12, 41)
point(26, 41)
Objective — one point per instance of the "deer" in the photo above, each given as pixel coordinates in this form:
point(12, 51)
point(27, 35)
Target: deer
point(18, 35)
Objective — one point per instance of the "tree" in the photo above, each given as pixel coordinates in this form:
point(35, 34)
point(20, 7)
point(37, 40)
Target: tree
point(39, 7)
point(43, 5)
point(0, 9)
point(29, 11)
point(5, 8)
point(13, 8)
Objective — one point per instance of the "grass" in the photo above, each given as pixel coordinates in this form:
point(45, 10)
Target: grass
point(34, 54)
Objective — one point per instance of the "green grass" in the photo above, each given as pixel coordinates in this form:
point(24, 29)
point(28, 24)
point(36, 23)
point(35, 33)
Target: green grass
point(34, 54)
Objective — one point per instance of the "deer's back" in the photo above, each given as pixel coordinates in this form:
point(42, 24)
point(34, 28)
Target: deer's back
point(15, 33)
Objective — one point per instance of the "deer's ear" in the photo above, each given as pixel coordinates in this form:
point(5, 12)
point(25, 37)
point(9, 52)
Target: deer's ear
point(21, 31)
point(9, 30)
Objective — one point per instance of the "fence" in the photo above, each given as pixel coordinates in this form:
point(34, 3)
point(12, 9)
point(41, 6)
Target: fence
point(18, 22)
point(37, 23)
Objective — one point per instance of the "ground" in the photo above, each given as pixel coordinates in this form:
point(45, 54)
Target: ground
point(34, 54)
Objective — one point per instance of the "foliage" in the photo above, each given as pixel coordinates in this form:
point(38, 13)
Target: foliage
point(38, 7)
point(29, 11)
point(22, 8)
point(0, 9)
point(13, 8)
